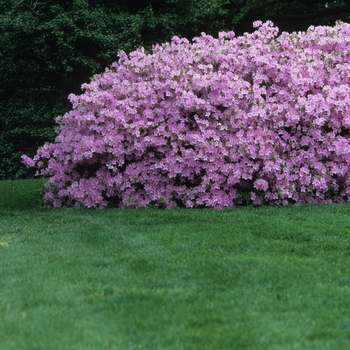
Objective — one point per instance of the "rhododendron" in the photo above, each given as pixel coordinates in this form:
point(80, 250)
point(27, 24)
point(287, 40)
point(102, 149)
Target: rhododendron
point(214, 122)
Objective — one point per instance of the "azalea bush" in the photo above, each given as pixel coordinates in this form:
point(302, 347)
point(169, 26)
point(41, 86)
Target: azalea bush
point(260, 118)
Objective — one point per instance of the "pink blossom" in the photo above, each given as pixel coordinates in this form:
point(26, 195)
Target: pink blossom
point(28, 162)
point(261, 184)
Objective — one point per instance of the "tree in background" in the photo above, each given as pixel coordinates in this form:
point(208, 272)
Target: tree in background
point(49, 48)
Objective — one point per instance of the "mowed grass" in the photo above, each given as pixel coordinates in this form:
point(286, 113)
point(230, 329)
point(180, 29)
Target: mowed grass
point(241, 278)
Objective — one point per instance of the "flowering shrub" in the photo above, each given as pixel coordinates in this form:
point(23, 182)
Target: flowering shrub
point(260, 117)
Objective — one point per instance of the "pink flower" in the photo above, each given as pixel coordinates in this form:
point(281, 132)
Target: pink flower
point(261, 184)
point(257, 24)
point(28, 162)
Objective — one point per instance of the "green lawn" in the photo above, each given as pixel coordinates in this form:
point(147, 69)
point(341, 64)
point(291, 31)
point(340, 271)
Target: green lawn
point(243, 278)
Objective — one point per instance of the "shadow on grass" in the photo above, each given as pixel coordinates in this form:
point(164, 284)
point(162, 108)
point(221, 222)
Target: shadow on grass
point(21, 194)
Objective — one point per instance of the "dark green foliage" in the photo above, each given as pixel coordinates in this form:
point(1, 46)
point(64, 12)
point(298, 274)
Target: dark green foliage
point(293, 15)
point(49, 50)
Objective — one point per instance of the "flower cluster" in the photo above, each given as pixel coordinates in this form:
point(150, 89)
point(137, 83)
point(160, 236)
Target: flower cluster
point(212, 122)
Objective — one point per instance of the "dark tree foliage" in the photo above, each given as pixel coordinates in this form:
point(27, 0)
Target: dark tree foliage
point(49, 48)
point(292, 15)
